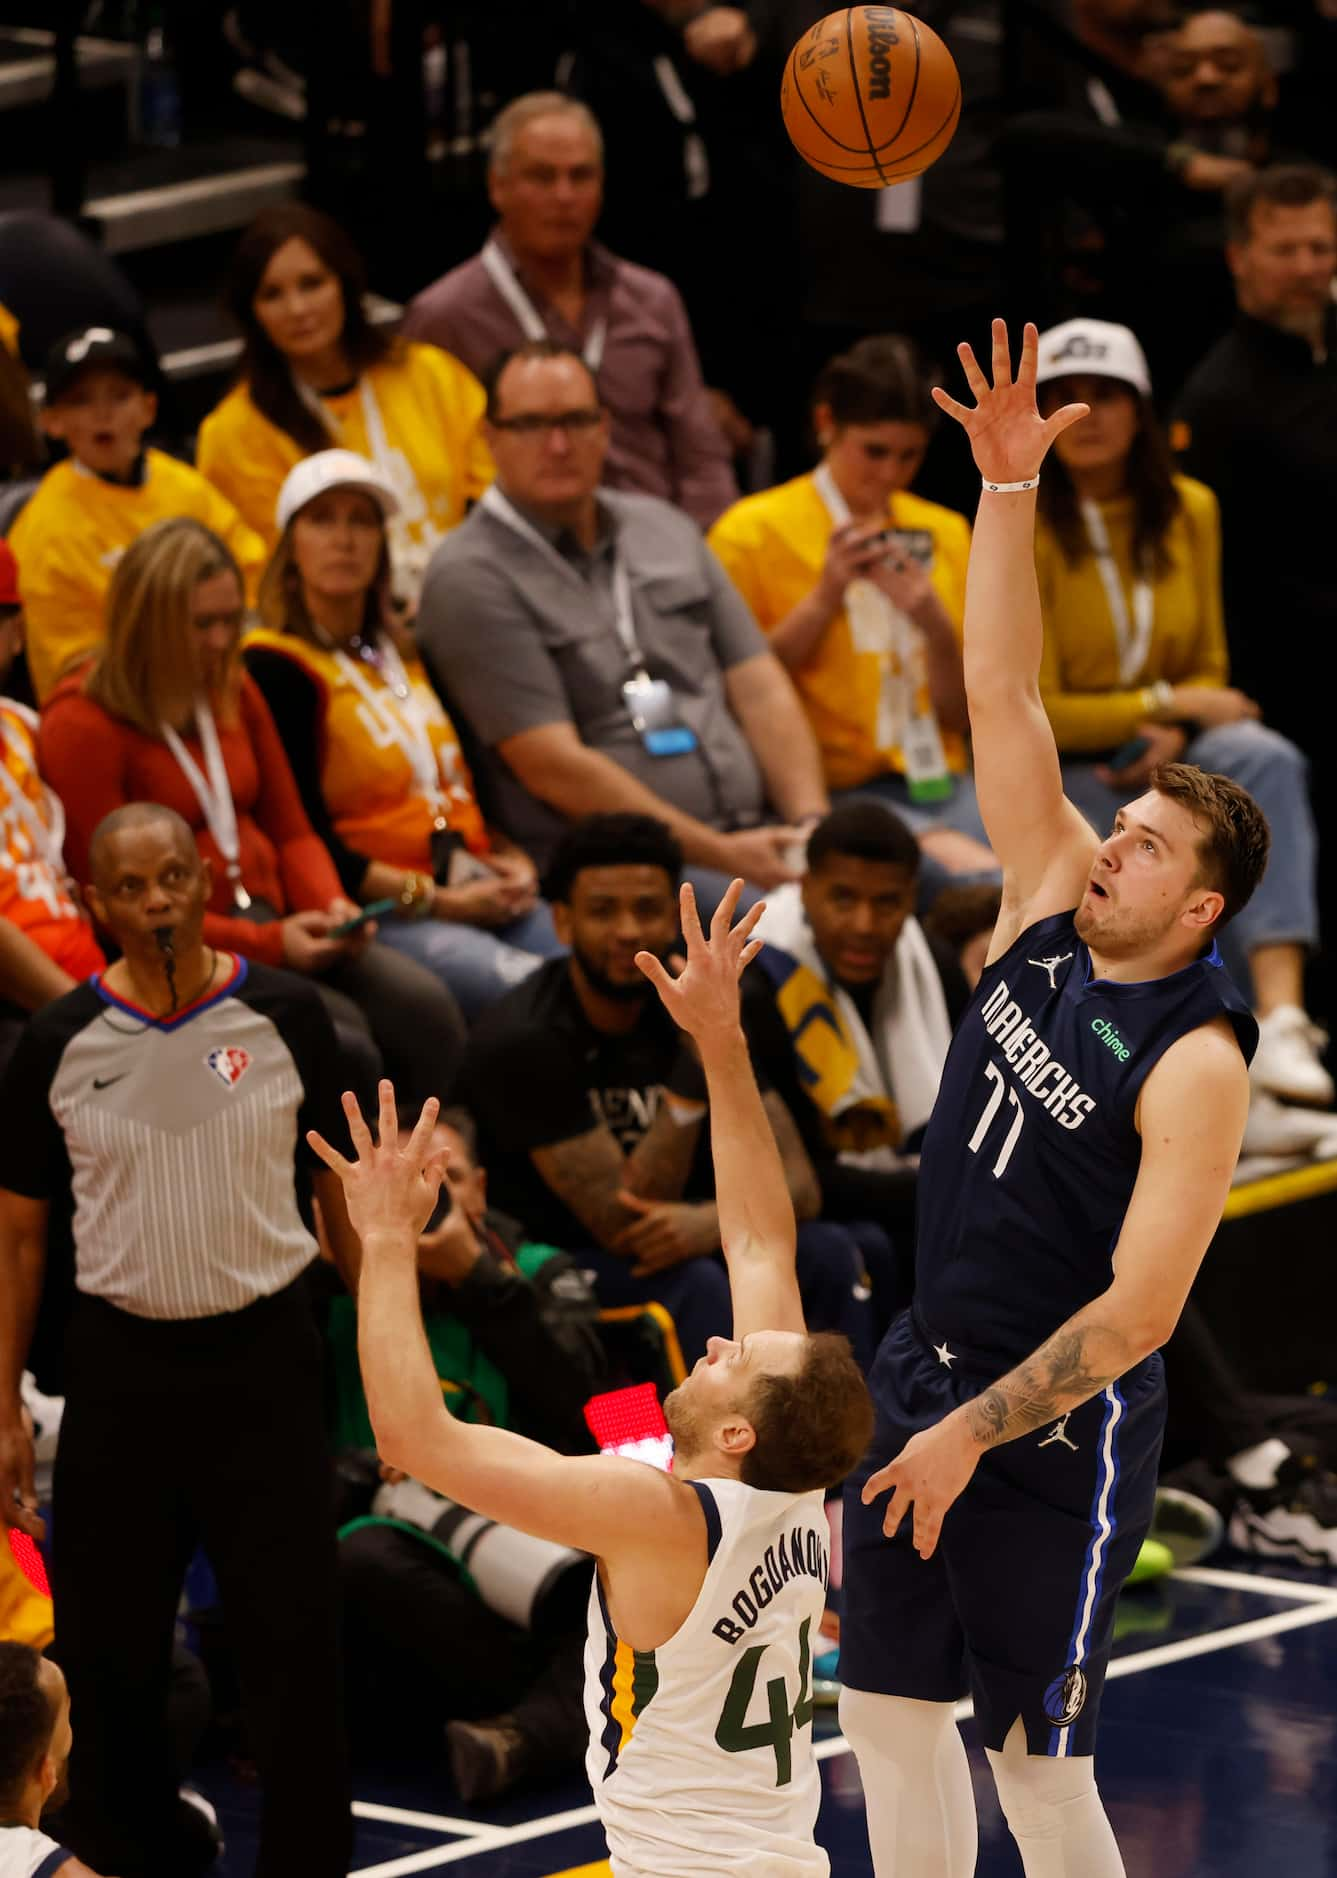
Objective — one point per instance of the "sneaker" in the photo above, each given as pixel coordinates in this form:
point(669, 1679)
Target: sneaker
point(1296, 1519)
point(1287, 1062)
point(486, 1757)
point(1190, 1528)
point(826, 1679)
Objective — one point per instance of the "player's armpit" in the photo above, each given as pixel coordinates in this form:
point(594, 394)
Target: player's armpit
point(597, 1503)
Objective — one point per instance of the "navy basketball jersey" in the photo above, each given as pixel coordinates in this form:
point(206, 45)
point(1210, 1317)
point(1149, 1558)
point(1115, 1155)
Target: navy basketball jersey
point(1030, 1155)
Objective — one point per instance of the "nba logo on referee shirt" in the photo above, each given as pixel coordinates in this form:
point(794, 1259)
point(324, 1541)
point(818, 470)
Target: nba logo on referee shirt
point(229, 1065)
point(1065, 1697)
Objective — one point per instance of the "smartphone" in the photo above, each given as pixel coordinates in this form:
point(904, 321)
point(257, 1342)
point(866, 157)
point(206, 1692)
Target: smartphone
point(1129, 753)
point(376, 910)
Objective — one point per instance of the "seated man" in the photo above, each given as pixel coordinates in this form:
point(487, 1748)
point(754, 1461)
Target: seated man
point(849, 1015)
point(46, 942)
point(88, 509)
point(706, 1577)
point(600, 654)
point(34, 1762)
point(511, 1327)
point(542, 276)
point(591, 1107)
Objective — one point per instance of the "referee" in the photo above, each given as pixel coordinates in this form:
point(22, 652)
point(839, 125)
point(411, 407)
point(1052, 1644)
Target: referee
point(173, 1093)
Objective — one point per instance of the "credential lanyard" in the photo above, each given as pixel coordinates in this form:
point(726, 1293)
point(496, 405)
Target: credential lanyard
point(214, 795)
point(400, 711)
point(905, 715)
point(1133, 636)
point(624, 617)
point(531, 322)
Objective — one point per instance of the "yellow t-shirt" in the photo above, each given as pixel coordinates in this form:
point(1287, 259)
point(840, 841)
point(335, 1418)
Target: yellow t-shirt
point(773, 545)
point(1090, 707)
point(73, 531)
point(430, 406)
point(366, 778)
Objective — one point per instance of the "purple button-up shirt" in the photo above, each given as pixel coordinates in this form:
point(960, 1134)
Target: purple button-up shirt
point(665, 441)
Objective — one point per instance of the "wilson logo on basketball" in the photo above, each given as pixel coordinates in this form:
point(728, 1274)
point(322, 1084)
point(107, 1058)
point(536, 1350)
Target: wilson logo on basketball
point(881, 26)
point(229, 1065)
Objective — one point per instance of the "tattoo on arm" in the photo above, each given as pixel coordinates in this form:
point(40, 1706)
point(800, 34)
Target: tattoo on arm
point(1075, 1364)
point(658, 1167)
point(585, 1174)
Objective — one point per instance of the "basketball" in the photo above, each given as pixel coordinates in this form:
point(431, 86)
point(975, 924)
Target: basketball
point(871, 96)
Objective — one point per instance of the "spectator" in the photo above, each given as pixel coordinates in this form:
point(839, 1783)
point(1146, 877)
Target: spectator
point(316, 372)
point(46, 943)
point(511, 1325)
point(1128, 561)
point(1258, 421)
point(375, 756)
point(167, 713)
point(598, 653)
point(860, 587)
point(849, 1013)
point(198, 1077)
point(1220, 87)
point(88, 509)
point(35, 1740)
point(963, 919)
point(590, 1106)
point(541, 276)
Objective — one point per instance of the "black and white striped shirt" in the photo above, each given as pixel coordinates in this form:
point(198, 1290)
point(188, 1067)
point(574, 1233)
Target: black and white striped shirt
point(182, 1139)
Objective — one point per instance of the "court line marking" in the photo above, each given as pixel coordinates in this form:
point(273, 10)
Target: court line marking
point(1317, 1605)
point(433, 1822)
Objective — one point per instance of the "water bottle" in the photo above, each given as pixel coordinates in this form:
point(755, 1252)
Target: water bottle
point(159, 112)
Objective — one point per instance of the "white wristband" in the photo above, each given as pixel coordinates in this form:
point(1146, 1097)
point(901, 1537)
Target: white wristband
point(1011, 489)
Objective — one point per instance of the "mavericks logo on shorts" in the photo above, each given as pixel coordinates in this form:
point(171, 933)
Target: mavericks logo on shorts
point(1065, 1697)
point(229, 1065)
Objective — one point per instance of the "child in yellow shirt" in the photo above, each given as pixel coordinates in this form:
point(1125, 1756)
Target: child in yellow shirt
point(88, 509)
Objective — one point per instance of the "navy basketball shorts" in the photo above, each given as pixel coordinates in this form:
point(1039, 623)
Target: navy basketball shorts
point(1016, 1605)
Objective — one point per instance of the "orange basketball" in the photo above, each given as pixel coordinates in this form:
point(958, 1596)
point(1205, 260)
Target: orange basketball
point(870, 97)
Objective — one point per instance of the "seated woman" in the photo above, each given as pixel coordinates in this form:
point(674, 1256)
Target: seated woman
point(316, 372)
point(861, 587)
point(1134, 672)
point(166, 713)
point(376, 758)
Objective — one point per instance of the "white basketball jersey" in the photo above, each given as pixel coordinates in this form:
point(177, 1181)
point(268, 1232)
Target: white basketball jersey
point(26, 1853)
point(700, 1752)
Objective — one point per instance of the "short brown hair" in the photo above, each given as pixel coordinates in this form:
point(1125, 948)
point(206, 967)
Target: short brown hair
point(811, 1427)
point(1284, 186)
point(1234, 837)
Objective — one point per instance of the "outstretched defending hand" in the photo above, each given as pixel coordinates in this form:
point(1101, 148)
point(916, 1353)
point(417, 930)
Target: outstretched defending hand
point(1008, 436)
point(389, 1189)
point(703, 998)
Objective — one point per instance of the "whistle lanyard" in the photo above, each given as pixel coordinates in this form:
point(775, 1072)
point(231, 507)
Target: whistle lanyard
point(213, 793)
point(531, 322)
point(624, 618)
point(402, 714)
point(1133, 635)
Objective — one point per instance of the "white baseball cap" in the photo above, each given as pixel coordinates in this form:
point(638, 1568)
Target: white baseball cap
point(333, 469)
point(1096, 348)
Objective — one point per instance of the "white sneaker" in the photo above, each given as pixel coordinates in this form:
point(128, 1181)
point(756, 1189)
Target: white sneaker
point(1272, 1128)
point(1296, 1519)
point(1287, 1062)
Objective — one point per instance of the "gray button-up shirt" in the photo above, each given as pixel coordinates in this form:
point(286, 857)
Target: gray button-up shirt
point(513, 640)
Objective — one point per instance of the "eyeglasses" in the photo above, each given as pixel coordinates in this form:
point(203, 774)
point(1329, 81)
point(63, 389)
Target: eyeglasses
point(537, 423)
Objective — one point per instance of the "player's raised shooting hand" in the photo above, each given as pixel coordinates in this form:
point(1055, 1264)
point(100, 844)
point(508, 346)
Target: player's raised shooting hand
point(392, 1186)
point(931, 1471)
point(1008, 436)
point(703, 998)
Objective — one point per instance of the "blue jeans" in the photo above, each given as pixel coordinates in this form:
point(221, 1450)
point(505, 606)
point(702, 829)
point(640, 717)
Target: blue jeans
point(477, 963)
point(1284, 910)
point(696, 1293)
point(959, 811)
